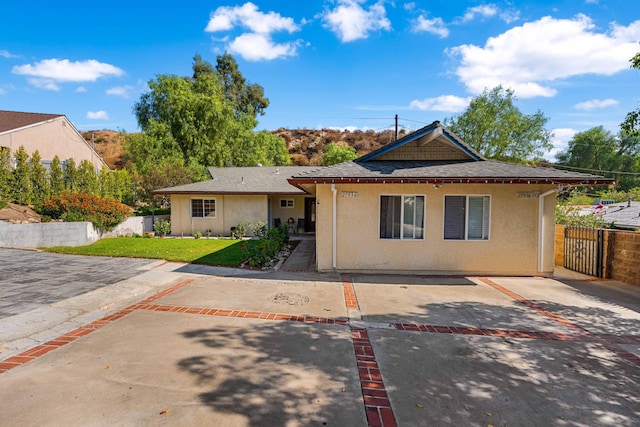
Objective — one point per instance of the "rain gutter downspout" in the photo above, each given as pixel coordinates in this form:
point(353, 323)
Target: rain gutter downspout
point(541, 226)
point(334, 262)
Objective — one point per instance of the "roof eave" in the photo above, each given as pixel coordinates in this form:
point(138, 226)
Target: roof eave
point(449, 180)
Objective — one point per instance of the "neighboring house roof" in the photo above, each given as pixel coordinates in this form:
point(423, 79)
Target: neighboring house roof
point(12, 120)
point(434, 154)
point(244, 180)
point(622, 215)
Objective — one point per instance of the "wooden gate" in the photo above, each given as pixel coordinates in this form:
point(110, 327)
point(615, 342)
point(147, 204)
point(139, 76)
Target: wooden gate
point(584, 250)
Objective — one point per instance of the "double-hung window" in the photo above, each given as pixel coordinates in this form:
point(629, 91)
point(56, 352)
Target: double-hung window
point(466, 217)
point(402, 217)
point(203, 208)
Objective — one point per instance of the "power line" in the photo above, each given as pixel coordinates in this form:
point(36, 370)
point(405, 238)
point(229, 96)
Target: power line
point(594, 170)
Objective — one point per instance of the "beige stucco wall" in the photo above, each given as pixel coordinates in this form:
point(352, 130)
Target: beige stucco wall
point(512, 247)
point(297, 211)
point(57, 137)
point(230, 209)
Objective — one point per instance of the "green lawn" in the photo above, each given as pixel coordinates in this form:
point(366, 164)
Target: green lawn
point(222, 252)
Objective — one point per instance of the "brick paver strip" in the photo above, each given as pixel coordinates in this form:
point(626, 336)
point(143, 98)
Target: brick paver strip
point(39, 350)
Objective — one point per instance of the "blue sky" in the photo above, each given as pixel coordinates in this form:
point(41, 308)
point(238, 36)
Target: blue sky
point(332, 63)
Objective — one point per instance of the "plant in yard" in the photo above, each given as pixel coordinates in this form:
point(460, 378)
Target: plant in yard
point(197, 234)
point(162, 227)
point(240, 230)
point(261, 254)
point(103, 213)
point(259, 229)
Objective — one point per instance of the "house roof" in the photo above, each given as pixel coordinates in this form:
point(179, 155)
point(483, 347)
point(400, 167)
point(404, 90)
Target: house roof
point(12, 120)
point(622, 215)
point(244, 180)
point(434, 154)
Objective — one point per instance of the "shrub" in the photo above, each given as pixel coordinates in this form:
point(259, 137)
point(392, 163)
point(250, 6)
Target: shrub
point(259, 229)
point(240, 230)
point(197, 234)
point(162, 227)
point(261, 254)
point(103, 213)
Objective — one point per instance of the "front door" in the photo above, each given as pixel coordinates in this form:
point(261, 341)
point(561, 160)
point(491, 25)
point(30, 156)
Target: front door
point(310, 215)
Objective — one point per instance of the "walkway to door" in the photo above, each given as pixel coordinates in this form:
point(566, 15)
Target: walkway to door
point(303, 258)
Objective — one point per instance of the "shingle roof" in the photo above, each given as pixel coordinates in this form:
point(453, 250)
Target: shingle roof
point(10, 120)
point(442, 171)
point(244, 180)
point(440, 130)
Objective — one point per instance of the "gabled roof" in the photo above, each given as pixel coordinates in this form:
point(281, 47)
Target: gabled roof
point(434, 154)
point(245, 180)
point(432, 142)
point(12, 120)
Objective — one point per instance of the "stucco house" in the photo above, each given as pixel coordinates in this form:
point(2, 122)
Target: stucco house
point(235, 194)
point(50, 134)
point(427, 203)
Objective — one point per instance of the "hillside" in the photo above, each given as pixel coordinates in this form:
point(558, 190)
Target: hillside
point(108, 144)
point(306, 146)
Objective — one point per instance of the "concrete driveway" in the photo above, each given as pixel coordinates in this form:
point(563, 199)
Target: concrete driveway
point(225, 347)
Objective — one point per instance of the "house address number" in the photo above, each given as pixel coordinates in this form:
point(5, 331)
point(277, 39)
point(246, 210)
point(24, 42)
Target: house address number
point(529, 195)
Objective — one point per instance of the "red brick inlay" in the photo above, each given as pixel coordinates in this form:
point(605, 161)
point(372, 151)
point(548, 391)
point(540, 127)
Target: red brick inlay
point(39, 350)
point(350, 298)
point(533, 305)
point(376, 401)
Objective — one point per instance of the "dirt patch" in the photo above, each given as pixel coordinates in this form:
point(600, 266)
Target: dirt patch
point(18, 214)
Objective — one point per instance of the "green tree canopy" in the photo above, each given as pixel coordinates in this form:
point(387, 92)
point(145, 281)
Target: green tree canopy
point(21, 178)
point(338, 154)
point(599, 150)
point(497, 129)
point(631, 123)
point(56, 176)
point(39, 179)
point(201, 121)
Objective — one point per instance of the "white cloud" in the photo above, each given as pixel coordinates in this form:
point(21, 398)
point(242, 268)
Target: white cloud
point(256, 47)
point(434, 26)
point(47, 84)
point(484, 10)
point(350, 21)
point(122, 91)
point(447, 103)
point(81, 89)
point(7, 54)
point(595, 103)
point(248, 16)
point(58, 70)
point(256, 44)
point(560, 142)
point(97, 115)
point(528, 58)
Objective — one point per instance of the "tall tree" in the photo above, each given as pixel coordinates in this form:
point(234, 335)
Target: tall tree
point(207, 118)
point(631, 123)
point(497, 129)
point(39, 179)
point(56, 176)
point(5, 175)
point(71, 175)
point(87, 178)
point(21, 178)
point(247, 98)
point(600, 150)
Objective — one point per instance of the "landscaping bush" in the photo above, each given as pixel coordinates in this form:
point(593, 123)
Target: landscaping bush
point(162, 227)
point(267, 249)
point(240, 230)
point(103, 213)
point(197, 234)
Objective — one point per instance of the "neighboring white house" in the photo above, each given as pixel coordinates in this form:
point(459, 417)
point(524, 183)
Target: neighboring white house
point(50, 134)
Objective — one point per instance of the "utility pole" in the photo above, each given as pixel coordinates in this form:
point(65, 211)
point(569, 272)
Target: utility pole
point(396, 127)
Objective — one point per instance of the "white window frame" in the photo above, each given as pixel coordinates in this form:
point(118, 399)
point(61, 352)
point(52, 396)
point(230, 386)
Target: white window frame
point(202, 200)
point(288, 203)
point(486, 218)
point(402, 202)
